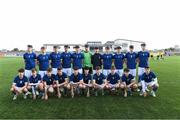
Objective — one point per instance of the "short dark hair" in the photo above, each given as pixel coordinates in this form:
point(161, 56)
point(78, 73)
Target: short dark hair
point(143, 44)
point(33, 70)
point(75, 68)
point(60, 68)
point(43, 47)
point(21, 70)
point(86, 68)
point(98, 68)
point(126, 70)
point(29, 46)
point(49, 70)
point(113, 68)
point(131, 46)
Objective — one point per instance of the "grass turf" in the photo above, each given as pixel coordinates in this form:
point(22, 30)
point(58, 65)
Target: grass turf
point(166, 105)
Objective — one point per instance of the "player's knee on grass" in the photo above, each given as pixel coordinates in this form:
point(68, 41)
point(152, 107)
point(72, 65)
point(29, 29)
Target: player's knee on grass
point(134, 86)
point(29, 87)
point(25, 90)
point(122, 86)
point(80, 86)
point(50, 89)
point(41, 86)
point(68, 86)
point(154, 87)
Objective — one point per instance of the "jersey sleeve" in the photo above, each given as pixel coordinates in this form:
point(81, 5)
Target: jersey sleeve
point(35, 56)
point(80, 77)
point(15, 80)
point(123, 79)
point(44, 78)
point(153, 75)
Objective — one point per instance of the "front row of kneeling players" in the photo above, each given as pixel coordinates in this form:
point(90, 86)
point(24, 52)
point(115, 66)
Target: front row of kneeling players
point(82, 83)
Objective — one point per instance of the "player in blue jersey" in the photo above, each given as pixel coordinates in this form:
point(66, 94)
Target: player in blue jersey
point(30, 60)
point(149, 80)
point(43, 61)
point(48, 81)
point(119, 60)
point(143, 59)
point(99, 81)
point(87, 78)
point(61, 82)
point(107, 61)
point(76, 81)
point(20, 85)
point(66, 61)
point(55, 59)
point(128, 83)
point(131, 60)
point(35, 85)
point(113, 80)
point(77, 58)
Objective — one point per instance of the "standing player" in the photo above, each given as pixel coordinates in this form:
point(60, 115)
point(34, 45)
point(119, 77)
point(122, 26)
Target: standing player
point(78, 57)
point(35, 84)
point(131, 60)
point(87, 59)
point(55, 58)
point(43, 61)
point(20, 85)
point(66, 61)
point(143, 59)
point(128, 82)
point(76, 81)
point(119, 61)
point(107, 61)
point(96, 60)
point(87, 78)
point(48, 80)
point(30, 61)
point(99, 81)
point(149, 79)
point(61, 82)
point(113, 80)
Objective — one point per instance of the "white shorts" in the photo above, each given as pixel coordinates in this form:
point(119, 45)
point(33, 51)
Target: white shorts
point(140, 71)
point(120, 72)
point(132, 72)
point(106, 72)
point(100, 86)
point(18, 88)
point(54, 71)
point(94, 71)
point(68, 71)
point(145, 84)
point(42, 73)
point(28, 73)
point(112, 85)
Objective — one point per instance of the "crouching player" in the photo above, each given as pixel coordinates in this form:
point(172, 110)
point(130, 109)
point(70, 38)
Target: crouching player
point(35, 84)
point(128, 83)
point(48, 80)
point(87, 78)
point(99, 81)
point(76, 81)
point(113, 80)
point(149, 80)
point(20, 85)
point(61, 82)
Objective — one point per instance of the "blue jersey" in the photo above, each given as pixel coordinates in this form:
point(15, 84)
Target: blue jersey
point(77, 60)
point(20, 82)
point(43, 60)
point(35, 79)
point(143, 58)
point(49, 79)
point(61, 78)
point(107, 61)
point(99, 78)
point(29, 59)
point(127, 79)
point(113, 78)
point(76, 78)
point(131, 60)
point(55, 60)
point(66, 59)
point(118, 60)
point(87, 78)
point(148, 78)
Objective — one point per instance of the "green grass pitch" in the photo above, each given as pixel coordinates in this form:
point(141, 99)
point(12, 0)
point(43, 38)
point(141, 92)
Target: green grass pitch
point(165, 105)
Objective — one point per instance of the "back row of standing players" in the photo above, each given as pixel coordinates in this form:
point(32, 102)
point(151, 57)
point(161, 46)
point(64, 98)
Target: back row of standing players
point(94, 62)
point(81, 59)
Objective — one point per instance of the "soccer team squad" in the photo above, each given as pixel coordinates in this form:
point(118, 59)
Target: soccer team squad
point(81, 73)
